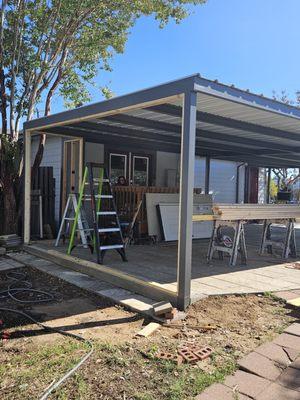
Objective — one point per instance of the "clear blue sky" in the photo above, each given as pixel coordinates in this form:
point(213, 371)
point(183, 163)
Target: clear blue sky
point(251, 43)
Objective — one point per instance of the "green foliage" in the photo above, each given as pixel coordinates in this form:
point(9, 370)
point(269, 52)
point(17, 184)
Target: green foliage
point(273, 189)
point(63, 44)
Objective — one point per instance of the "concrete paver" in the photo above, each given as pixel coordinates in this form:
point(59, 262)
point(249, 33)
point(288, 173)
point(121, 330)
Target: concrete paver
point(275, 353)
point(296, 364)
point(293, 329)
point(292, 353)
point(272, 372)
point(260, 365)
point(116, 294)
point(247, 384)
point(221, 392)
point(6, 266)
point(277, 392)
point(290, 379)
point(286, 295)
point(288, 340)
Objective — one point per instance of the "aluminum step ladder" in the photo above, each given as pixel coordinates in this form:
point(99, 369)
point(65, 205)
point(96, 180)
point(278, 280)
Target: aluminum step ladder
point(80, 223)
point(107, 229)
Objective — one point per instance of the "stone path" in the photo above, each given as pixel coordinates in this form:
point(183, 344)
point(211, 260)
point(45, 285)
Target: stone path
point(271, 372)
point(7, 264)
point(126, 298)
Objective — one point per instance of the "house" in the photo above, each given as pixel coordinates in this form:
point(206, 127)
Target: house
point(175, 137)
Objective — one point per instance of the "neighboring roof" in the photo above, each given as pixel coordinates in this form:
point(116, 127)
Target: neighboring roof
point(232, 123)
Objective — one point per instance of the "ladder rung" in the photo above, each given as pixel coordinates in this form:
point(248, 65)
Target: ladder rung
point(69, 219)
point(85, 229)
point(99, 196)
point(106, 213)
point(108, 230)
point(99, 180)
point(112, 246)
point(96, 183)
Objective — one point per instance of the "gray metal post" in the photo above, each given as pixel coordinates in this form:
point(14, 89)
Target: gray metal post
point(188, 139)
point(207, 174)
point(268, 185)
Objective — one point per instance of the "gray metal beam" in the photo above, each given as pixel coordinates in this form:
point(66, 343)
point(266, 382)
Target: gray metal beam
point(129, 142)
point(207, 174)
point(184, 258)
point(264, 162)
point(206, 143)
point(229, 139)
point(205, 117)
point(268, 185)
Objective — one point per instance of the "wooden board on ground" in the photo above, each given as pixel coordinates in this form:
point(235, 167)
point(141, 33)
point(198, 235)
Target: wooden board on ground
point(148, 329)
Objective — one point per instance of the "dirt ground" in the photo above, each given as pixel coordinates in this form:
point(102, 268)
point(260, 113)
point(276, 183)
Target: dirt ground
point(122, 365)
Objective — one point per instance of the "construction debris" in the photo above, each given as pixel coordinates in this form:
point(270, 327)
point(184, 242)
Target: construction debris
point(148, 329)
point(10, 241)
point(231, 212)
point(188, 352)
point(203, 328)
point(162, 308)
point(188, 355)
point(170, 357)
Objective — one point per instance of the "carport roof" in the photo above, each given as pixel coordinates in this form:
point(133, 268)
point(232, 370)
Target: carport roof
point(232, 124)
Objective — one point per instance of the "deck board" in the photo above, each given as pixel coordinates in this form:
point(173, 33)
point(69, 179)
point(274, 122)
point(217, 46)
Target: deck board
point(158, 263)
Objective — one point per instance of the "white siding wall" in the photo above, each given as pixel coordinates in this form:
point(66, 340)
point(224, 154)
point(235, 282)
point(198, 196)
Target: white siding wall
point(165, 161)
point(223, 181)
point(223, 175)
point(94, 152)
point(52, 158)
point(199, 179)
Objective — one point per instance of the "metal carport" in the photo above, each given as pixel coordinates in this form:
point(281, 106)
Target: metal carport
point(193, 116)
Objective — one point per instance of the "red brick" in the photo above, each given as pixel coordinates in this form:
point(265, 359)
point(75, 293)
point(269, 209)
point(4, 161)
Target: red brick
point(188, 355)
point(290, 378)
point(278, 392)
point(260, 365)
point(220, 392)
point(293, 329)
point(170, 357)
point(202, 353)
point(247, 384)
point(275, 353)
point(287, 340)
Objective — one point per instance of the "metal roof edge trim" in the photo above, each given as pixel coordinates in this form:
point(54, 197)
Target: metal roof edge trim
point(243, 97)
point(164, 90)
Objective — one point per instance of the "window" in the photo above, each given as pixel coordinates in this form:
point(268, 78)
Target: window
point(117, 166)
point(140, 171)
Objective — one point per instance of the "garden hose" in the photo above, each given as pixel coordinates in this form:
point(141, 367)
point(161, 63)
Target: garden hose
point(11, 291)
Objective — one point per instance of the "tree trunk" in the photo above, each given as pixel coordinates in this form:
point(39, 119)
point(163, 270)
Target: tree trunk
point(10, 206)
point(39, 154)
point(3, 103)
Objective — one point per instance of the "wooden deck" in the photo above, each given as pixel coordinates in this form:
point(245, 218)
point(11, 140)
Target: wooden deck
point(157, 264)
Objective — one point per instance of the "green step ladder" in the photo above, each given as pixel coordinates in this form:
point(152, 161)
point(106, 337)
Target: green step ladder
point(107, 233)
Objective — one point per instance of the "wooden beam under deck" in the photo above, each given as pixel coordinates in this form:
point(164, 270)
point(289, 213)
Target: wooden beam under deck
point(153, 290)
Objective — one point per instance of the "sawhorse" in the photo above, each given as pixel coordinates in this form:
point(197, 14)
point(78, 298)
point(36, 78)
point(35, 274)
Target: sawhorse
point(288, 245)
point(232, 248)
